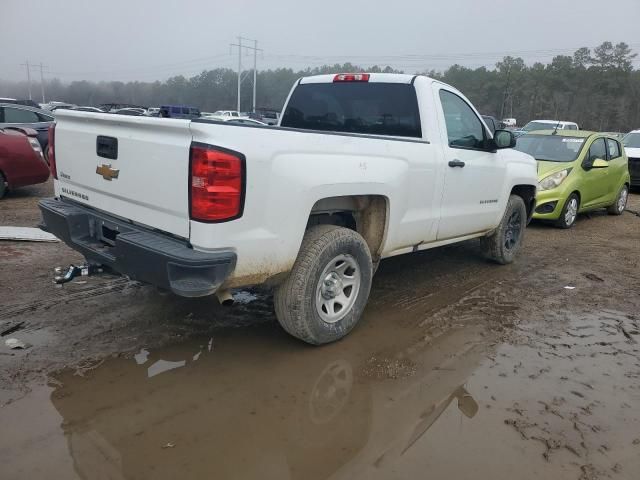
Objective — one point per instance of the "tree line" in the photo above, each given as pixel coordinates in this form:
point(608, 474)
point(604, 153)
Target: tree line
point(599, 89)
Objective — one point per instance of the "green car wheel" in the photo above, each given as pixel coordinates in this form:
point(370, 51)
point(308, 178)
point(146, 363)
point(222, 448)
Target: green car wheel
point(621, 202)
point(569, 212)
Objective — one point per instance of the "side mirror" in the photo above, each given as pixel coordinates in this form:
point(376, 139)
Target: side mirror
point(599, 163)
point(504, 139)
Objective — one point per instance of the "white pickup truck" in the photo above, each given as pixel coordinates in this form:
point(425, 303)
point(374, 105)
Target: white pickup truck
point(361, 167)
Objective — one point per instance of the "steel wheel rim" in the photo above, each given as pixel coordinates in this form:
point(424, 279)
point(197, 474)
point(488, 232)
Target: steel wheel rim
point(513, 231)
point(622, 199)
point(572, 211)
point(338, 288)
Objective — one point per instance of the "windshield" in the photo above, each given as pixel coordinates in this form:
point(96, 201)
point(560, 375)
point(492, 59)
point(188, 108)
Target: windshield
point(631, 140)
point(533, 126)
point(550, 148)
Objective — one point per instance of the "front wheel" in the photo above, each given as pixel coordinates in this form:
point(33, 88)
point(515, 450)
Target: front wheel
point(504, 243)
point(621, 202)
point(569, 212)
point(324, 296)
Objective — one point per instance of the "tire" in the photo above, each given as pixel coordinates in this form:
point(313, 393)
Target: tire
point(329, 256)
point(569, 212)
point(3, 185)
point(618, 207)
point(503, 245)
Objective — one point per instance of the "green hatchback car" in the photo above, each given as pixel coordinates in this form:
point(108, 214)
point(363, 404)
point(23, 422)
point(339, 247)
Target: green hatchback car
point(577, 171)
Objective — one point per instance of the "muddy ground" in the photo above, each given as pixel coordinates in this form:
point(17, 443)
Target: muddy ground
point(459, 369)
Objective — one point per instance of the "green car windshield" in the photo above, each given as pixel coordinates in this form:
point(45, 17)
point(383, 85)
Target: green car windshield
point(631, 140)
point(550, 148)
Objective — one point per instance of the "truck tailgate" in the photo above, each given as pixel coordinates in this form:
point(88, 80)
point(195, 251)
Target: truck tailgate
point(135, 168)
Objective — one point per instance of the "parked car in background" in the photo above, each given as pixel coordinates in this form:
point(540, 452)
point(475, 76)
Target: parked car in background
point(153, 111)
point(536, 125)
point(12, 115)
point(110, 107)
point(577, 171)
point(631, 142)
point(22, 162)
point(136, 112)
point(270, 117)
point(54, 105)
point(27, 102)
point(179, 111)
point(227, 113)
point(509, 122)
point(88, 109)
point(491, 122)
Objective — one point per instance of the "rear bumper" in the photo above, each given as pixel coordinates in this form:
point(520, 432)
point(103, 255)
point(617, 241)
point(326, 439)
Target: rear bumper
point(139, 253)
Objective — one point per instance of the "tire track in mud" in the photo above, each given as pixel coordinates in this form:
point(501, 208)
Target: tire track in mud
point(66, 295)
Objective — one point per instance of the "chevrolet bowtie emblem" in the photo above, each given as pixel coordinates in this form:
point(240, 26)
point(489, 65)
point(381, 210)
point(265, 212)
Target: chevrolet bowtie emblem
point(107, 172)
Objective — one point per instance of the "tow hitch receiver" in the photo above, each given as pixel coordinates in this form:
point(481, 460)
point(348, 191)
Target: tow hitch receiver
point(72, 271)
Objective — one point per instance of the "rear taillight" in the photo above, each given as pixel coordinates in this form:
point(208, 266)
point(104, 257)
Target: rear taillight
point(35, 144)
point(216, 183)
point(51, 151)
point(351, 77)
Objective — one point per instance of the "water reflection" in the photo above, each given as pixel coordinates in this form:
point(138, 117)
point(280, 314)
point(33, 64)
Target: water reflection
point(260, 405)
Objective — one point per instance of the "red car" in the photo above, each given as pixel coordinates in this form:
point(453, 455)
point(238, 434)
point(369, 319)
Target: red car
point(22, 162)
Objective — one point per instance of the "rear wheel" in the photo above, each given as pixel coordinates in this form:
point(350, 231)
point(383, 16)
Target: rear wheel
point(3, 185)
point(504, 243)
point(569, 212)
point(324, 296)
point(621, 202)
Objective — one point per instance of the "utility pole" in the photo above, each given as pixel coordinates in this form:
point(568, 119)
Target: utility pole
point(255, 72)
point(255, 62)
point(239, 69)
point(42, 82)
point(26, 64)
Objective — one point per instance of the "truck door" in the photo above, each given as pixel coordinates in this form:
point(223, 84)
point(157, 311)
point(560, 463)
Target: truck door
point(474, 176)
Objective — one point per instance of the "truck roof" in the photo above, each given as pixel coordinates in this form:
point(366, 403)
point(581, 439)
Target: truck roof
point(373, 78)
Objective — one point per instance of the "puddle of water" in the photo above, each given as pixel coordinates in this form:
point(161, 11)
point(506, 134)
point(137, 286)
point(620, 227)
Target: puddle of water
point(379, 404)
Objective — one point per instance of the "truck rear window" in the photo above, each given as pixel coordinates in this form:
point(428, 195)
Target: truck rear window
point(358, 107)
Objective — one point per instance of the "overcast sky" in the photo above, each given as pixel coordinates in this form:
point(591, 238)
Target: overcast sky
point(154, 39)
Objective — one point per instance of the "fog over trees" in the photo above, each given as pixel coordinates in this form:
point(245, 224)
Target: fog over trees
point(597, 88)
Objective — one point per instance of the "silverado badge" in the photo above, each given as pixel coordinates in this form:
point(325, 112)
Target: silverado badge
point(107, 172)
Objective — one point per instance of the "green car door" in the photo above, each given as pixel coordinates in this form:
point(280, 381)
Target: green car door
point(595, 181)
point(618, 168)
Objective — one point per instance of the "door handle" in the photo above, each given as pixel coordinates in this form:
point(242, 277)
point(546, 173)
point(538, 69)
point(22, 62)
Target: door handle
point(456, 163)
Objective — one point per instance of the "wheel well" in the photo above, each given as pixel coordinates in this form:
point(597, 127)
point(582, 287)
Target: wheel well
point(579, 197)
point(366, 214)
point(528, 195)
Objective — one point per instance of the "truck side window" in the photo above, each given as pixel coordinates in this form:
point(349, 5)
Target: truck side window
point(464, 128)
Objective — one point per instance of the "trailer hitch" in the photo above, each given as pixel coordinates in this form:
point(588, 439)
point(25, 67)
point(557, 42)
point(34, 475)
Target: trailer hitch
point(72, 271)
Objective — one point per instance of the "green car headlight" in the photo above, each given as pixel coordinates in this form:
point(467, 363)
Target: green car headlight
point(553, 181)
